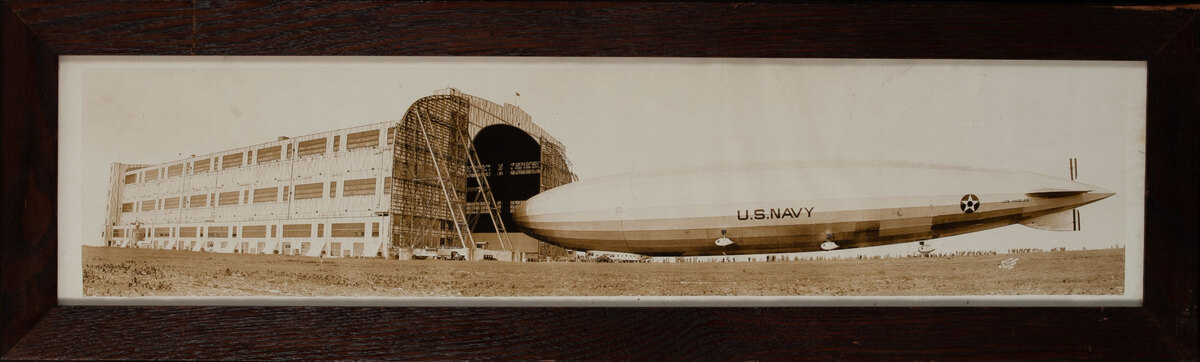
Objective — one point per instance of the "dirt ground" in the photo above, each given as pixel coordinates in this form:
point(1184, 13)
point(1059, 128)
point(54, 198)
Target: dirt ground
point(147, 272)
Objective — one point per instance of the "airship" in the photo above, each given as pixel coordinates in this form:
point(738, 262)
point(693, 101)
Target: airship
point(798, 207)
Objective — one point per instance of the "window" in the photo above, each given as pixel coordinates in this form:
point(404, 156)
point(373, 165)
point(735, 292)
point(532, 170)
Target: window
point(175, 171)
point(308, 191)
point(272, 230)
point(336, 142)
point(387, 185)
point(202, 166)
point(359, 187)
point(311, 147)
point(218, 231)
point(187, 231)
point(267, 154)
point(148, 205)
point(118, 233)
point(390, 135)
point(255, 231)
point(151, 175)
point(199, 201)
point(347, 230)
point(131, 178)
point(289, 151)
point(362, 139)
point(231, 160)
point(375, 230)
point(269, 194)
point(228, 198)
point(246, 197)
point(171, 203)
point(127, 207)
point(297, 231)
point(333, 189)
point(320, 230)
point(285, 193)
point(162, 232)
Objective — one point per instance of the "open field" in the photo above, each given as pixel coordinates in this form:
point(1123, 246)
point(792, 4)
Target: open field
point(147, 272)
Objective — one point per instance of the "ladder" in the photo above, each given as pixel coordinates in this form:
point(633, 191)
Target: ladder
point(485, 190)
point(451, 194)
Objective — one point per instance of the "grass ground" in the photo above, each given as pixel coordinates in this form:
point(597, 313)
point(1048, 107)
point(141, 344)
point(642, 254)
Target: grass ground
point(147, 272)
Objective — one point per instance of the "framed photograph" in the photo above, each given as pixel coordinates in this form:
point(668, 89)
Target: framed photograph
point(1059, 145)
point(676, 182)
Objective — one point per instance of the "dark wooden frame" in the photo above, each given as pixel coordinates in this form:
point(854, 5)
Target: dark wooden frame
point(36, 32)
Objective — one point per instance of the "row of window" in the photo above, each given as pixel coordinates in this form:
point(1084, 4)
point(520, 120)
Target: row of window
point(337, 230)
point(314, 147)
point(286, 248)
point(359, 187)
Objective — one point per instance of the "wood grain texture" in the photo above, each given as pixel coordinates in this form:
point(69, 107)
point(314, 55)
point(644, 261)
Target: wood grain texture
point(217, 27)
point(584, 333)
point(35, 31)
point(29, 149)
point(1172, 170)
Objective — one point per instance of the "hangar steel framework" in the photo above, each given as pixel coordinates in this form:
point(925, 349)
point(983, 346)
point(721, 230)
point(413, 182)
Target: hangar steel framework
point(440, 185)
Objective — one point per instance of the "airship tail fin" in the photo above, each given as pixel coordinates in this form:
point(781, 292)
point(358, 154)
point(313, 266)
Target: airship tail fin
point(1066, 220)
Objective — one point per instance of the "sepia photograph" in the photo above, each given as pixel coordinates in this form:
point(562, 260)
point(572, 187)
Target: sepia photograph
point(590, 180)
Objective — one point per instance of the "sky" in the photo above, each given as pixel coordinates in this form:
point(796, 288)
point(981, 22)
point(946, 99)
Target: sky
point(635, 114)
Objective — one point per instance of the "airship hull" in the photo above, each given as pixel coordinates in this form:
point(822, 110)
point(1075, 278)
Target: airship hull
point(797, 209)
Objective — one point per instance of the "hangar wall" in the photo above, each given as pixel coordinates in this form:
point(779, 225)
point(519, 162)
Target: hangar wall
point(313, 195)
point(331, 194)
point(440, 199)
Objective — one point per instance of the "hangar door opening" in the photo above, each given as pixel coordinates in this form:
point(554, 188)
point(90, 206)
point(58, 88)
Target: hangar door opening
point(511, 160)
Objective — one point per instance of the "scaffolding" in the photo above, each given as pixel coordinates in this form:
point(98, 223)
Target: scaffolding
point(556, 171)
point(483, 195)
point(429, 175)
point(433, 204)
point(555, 168)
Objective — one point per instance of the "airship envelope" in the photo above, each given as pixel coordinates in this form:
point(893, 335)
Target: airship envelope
point(795, 207)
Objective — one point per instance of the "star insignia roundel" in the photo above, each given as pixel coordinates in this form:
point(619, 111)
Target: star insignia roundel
point(969, 203)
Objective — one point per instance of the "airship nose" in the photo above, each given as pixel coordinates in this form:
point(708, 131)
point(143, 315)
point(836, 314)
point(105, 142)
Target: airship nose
point(519, 215)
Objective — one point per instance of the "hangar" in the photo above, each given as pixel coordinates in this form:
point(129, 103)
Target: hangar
point(447, 175)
